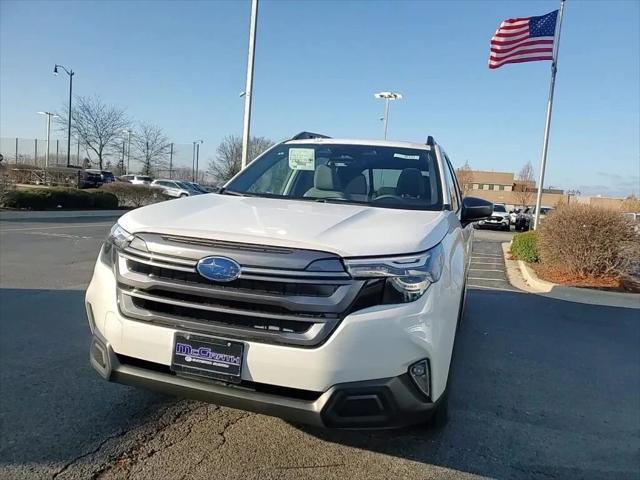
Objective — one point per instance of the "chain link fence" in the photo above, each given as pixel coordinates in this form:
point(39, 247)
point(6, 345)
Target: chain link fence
point(33, 152)
point(182, 161)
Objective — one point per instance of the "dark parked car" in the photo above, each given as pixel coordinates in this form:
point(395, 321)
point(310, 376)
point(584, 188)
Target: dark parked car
point(524, 220)
point(107, 176)
point(89, 178)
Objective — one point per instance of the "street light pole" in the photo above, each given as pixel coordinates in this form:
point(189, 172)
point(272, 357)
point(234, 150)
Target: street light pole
point(71, 73)
point(197, 161)
point(249, 85)
point(194, 159)
point(49, 115)
point(387, 97)
point(128, 132)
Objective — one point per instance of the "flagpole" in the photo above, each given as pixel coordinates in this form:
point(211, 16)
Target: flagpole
point(547, 126)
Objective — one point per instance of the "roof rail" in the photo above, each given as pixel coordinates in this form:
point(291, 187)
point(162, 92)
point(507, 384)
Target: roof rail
point(430, 141)
point(308, 136)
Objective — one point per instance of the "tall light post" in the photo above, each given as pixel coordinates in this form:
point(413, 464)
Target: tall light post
point(128, 132)
point(248, 91)
point(71, 73)
point(49, 115)
point(388, 96)
point(194, 164)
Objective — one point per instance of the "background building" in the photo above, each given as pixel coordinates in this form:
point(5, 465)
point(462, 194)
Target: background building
point(502, 187)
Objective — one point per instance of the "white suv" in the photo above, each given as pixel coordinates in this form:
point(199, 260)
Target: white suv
point(323, 284)
point(175, 188)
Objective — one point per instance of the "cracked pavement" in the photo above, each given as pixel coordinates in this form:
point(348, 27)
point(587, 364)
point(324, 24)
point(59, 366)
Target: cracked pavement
point(542, 388)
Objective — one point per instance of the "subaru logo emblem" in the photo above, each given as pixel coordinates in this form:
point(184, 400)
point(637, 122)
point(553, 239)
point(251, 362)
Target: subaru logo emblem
point(218, 269)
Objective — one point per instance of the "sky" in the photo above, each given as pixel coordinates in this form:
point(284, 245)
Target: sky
point(182, 64)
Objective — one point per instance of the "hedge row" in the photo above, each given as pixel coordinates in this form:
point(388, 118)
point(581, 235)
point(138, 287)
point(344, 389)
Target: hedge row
point(130, 195)
point(525, 246)
point(56, 198)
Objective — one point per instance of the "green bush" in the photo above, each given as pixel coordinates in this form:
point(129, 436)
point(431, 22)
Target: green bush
point(525, 246)
point(55, 198)
point(104, 200)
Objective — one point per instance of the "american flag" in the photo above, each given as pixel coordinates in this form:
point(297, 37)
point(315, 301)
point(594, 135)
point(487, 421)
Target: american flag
point(526, 39)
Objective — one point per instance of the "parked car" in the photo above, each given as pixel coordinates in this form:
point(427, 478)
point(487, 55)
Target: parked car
point(513, 215)
point(323, 284)
point(499, 219)
point(175, 188)
point(89, 178)
point(105, 175)
point(524, 220)
point(197, 187)
point(137, 179)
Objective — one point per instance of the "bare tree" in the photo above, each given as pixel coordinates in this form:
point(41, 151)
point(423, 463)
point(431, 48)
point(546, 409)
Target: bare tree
point(97, 125)
point(151, 147)
point(465, 177)
point(524, 187)
point(229, 155)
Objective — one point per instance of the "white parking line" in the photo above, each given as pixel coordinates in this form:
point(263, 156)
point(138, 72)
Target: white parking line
point(485, 270)
point(484, 287)
point(490, 279)
point(58, 235)
point(485, 263)
point(2, 230)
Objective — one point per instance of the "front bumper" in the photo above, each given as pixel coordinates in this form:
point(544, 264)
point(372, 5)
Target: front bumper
point(370, 349)
point(494, 224)
point(380, 403)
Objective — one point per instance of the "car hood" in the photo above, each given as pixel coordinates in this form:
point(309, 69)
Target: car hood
point(500, 214)
point(347, 230)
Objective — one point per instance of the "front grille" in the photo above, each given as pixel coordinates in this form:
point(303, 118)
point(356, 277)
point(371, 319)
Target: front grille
point(275, 299)
point(246, 321)
point(278, 288)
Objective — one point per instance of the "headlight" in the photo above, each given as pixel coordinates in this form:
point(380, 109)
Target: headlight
point(119, 238)
point(407, 277)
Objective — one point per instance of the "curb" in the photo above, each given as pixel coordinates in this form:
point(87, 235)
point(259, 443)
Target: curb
point(514, 274)
point(533, 280)
point(523, 277)
point(44, 215)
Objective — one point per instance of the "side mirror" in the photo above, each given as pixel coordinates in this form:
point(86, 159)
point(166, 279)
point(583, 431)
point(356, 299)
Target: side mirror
point(475, 209)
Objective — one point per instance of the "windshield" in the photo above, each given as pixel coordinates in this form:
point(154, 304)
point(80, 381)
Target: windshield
point(387, 177)
point(499, 208)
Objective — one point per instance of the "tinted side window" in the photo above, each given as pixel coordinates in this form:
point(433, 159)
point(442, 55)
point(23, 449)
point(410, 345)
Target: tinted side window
point(452, 185)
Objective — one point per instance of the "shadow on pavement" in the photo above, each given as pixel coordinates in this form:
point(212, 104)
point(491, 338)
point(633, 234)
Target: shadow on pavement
point(541, 388)
point(53, 406)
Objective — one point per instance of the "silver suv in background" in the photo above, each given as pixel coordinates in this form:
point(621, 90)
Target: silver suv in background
point(137, 179)
point(175, 188)
point(498, 219)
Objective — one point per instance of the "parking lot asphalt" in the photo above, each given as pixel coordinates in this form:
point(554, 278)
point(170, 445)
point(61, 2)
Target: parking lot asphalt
point(541, 388)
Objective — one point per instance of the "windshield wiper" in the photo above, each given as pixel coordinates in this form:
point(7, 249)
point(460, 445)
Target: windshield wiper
point(224, 191)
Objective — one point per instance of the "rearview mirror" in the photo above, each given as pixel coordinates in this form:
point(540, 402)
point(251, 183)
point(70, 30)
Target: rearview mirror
point(475, 209)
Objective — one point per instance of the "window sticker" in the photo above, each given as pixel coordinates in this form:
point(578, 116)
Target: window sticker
point(406, 157)
point(302, 158)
